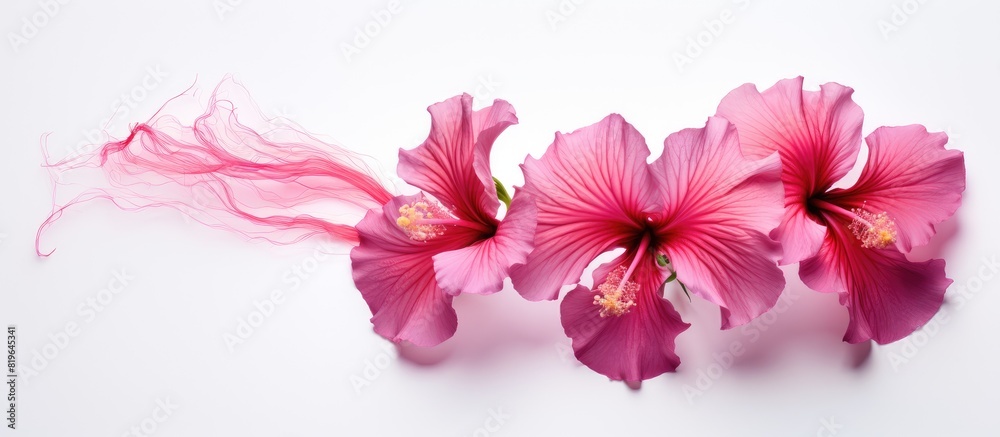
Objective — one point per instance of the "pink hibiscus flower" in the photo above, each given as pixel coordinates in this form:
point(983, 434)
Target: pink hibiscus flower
point(416, 252)
point(852, 241)
point(700, 213)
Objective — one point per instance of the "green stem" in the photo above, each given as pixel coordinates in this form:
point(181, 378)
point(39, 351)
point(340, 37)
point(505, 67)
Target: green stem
point(662, 261)
point(685, 290)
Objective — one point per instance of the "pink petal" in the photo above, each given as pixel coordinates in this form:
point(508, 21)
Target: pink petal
point(911, 176)
point(818, 135)
point(635, 346)
point(887, 296)
point(482, 267)
point(720, 207)
point(799, 233)
point(396, 277)
point(453, 163)
point(592, 188)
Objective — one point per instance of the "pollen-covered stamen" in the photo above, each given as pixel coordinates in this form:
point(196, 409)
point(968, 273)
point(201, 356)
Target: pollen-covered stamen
point(425, 219)
point(873, 230)
point(413, 219)
point(616, 296)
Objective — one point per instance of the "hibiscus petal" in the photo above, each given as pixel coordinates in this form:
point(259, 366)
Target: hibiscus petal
point(635, 346)
point(482, 267)
point(818, 135)
point(912, 177)
point(887, 296)
point(591, 187)
point(800, 235)
point(720, 207)
point(396, 277)
point(453, 163)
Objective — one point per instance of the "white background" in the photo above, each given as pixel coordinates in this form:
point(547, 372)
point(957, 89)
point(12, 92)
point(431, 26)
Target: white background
point(162, 337)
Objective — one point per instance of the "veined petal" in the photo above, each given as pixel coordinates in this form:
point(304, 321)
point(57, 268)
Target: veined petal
point(735, 271)
point(592, 188)
point(800, 235)
point(396, 277)
point(817, 134)
point(720, 207)
point(453, 163)
point(912, 177)
point(887, 296)
point(489, 123)
point(482, 267)
point(633, 346)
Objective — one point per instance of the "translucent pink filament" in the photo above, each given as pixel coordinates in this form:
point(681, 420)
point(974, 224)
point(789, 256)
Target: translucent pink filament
point(232, 168)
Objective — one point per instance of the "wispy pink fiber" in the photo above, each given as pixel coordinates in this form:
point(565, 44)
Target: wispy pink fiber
point(230, 168)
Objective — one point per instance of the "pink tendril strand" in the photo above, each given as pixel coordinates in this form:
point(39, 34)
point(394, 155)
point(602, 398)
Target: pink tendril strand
point(233, 169)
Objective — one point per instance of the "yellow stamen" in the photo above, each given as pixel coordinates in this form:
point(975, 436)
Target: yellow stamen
point(411, 215)
point(873, 230)
point(614, 296)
